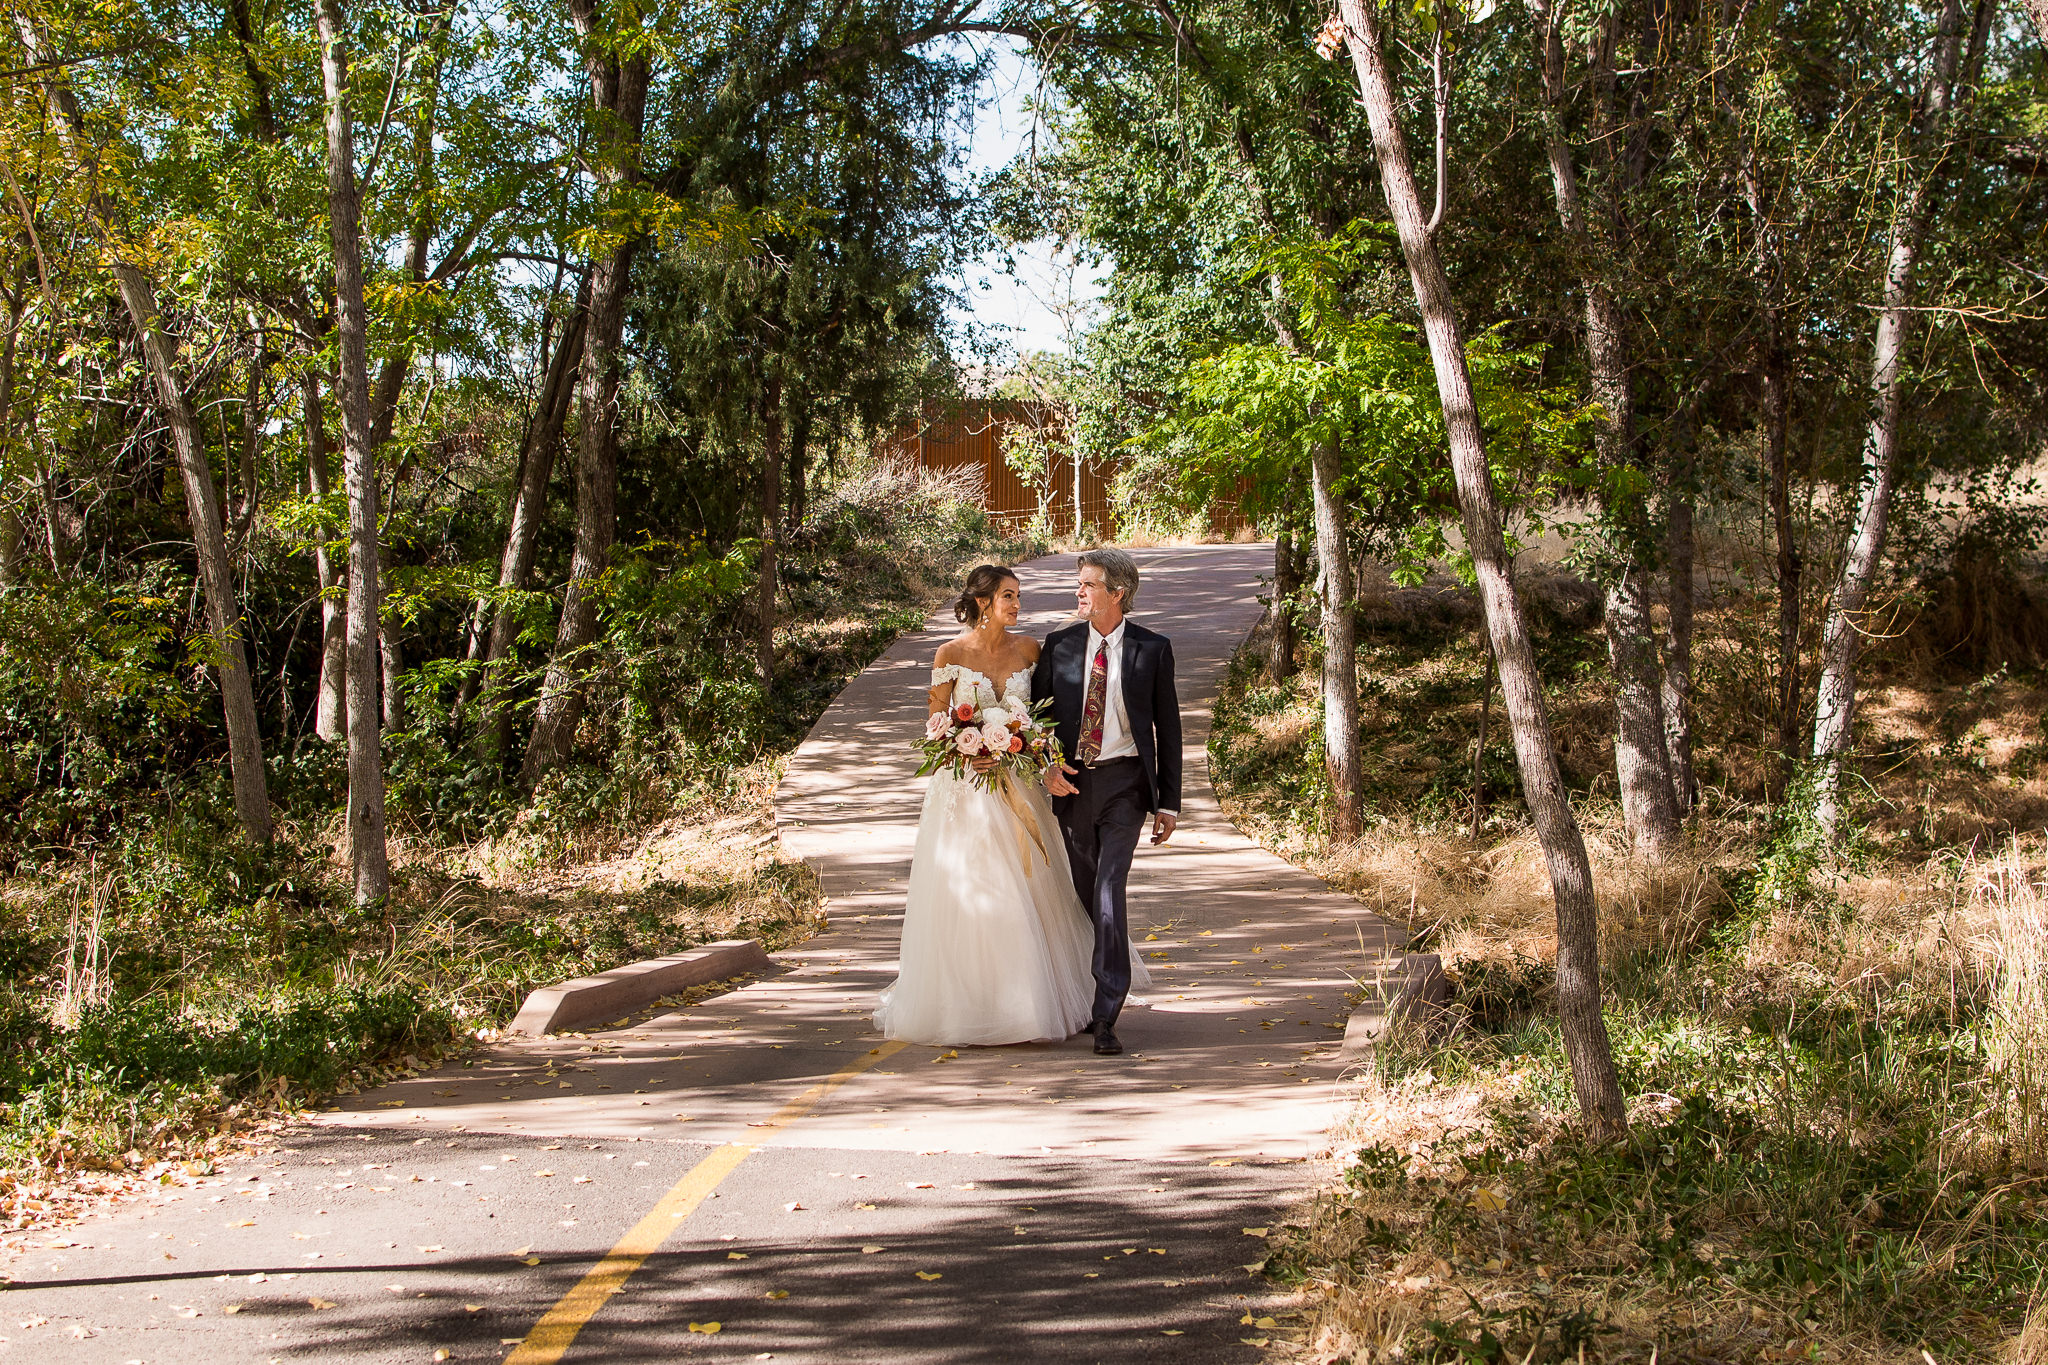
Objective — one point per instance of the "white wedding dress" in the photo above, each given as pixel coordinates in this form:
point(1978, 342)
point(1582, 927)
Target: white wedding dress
point(996, 948)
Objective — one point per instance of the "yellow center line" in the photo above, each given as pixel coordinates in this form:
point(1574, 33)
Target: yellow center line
point(552, 1336)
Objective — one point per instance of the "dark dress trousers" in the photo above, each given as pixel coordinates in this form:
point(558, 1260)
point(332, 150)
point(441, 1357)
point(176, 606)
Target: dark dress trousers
point(1100, 822)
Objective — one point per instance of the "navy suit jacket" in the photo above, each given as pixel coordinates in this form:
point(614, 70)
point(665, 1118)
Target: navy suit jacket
point(1150, 703)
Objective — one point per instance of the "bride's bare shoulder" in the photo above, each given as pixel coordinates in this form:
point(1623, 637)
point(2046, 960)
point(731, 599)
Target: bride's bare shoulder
point(1031, 649)
point(952, 652)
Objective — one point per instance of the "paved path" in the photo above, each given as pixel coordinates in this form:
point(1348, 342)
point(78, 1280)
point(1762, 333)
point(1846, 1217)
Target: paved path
point(899, 1204)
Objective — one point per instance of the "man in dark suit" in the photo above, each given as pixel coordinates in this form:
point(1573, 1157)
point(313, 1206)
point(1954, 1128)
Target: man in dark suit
point(1118, 719)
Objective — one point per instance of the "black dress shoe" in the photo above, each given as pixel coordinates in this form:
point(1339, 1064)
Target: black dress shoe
point(1106, 1044)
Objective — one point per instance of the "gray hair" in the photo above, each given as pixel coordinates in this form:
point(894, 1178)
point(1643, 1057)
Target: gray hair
point(1119, 572)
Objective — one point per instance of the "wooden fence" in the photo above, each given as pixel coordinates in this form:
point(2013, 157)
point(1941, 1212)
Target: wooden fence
point(970, 436)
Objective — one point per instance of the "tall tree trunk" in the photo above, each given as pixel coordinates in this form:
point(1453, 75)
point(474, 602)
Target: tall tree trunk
point(522, 532)
point(1340, 646)
point(1564, 849)
point(561, 698)
point(1842, 632)
point(618, 95)
point(202, 497)
point(1678, 557)
point(1642, 761)
point(330, 716)
point(1280, 641)
point(771, 532)
point(351, 328)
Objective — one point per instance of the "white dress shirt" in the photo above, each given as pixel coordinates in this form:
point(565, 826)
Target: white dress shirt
point(1117, 741)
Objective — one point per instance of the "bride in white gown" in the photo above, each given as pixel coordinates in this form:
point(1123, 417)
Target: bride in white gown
point(996, 947)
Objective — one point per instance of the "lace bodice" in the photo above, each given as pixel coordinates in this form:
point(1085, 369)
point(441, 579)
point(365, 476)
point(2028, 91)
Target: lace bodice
point(979, 688)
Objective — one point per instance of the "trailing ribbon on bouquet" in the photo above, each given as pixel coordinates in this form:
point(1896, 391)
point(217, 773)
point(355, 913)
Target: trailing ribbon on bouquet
point(1026, 825)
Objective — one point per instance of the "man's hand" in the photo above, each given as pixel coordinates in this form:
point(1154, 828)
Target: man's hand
point(1056, 783)
point(1163, 827)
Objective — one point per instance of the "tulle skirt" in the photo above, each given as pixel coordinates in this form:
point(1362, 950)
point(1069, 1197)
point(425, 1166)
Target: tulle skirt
point(996, 948)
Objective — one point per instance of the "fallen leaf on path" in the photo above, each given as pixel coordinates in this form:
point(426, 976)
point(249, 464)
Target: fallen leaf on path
point(542, 1175)
point(320, 1303)
point(429, 1249)
point(581, 1180)
point(1253, 1341)
point(931, 1275)
point(917, 1184)
point(708, 1328)
point(1091, 1274)
point(1130, 1251)
point(1255, 1232)
point(188, 1312)
point(968, 1186)
point(245, 1223)
point(869, 1251)
point(521, 1251)
point(1220, 1161)
point(232, 1308)
point(793, 1206)
point(390, 1104)
point(869, 1207)
point(472, 1308)
point(33, 1322)
point(1173, 1332)
point(447, 1094)
point(531, 1260)
point(1489, 1200)
point(777, 1294)
point(1249, 1321)
point(440, 1353)
point(735, 1255)
point(1155, 1251)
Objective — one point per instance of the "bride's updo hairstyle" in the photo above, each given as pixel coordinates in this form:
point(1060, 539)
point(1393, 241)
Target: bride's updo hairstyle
point(984, 580)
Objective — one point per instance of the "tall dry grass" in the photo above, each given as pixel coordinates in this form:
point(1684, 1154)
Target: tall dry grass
point(2008, 898)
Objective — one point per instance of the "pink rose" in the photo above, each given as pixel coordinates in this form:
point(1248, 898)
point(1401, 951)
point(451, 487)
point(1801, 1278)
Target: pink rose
point(936, 725)
point(968, 741)
point(995, 738)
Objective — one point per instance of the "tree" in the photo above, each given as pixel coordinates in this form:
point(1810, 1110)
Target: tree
point(138, 293)
point(1642, 757)
point(1564, 849)
point(1957, 58)
point(365, 822)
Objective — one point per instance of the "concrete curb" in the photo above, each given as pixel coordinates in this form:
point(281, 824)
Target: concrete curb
point(590, 999)
point(1410, 987)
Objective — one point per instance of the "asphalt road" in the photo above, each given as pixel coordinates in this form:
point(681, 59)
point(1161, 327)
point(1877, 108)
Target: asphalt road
point(758, 1176)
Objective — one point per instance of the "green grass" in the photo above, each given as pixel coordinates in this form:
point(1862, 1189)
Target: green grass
point(1829, 1155)
point(170, 981)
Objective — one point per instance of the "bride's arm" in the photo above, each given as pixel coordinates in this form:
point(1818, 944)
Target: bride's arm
point(939, 697)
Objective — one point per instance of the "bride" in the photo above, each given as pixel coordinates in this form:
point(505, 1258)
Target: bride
point(996, 947)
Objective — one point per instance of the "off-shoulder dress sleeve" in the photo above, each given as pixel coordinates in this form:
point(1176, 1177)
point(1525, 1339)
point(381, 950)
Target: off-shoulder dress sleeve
point(945, 673)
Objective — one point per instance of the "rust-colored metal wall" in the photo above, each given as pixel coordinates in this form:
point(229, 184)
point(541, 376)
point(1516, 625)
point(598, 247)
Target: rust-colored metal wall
point(970, 436)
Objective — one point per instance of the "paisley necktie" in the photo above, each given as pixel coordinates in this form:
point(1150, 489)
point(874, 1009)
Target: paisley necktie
point(1091, 713)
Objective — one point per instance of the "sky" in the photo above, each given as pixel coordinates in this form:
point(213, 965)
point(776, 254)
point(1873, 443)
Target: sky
point(1048, 298)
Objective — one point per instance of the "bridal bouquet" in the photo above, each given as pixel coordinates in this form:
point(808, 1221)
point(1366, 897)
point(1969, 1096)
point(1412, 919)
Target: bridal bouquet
point(1021, 741)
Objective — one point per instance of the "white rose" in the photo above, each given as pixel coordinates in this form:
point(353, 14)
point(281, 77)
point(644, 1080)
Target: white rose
point(995, 718)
